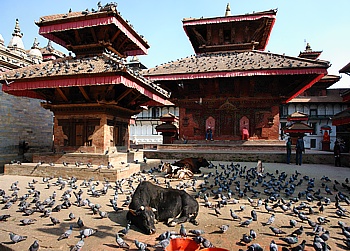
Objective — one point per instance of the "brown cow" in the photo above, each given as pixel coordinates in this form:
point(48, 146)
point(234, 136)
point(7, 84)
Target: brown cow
point(192, 163)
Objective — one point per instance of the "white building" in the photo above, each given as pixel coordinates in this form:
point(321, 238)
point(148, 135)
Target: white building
point(143, 131)
point(320, 108)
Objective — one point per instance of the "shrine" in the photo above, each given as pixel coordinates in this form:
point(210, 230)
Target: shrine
point(297, 127)
point(94, 93)
point(232, 83)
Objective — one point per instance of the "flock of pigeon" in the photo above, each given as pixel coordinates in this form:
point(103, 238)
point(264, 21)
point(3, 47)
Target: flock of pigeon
point(240, 209)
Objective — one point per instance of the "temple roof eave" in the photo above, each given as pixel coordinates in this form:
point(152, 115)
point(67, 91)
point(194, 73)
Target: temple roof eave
point(224, 74)
point(247, 62)
point(28, 87)
point(245, 17)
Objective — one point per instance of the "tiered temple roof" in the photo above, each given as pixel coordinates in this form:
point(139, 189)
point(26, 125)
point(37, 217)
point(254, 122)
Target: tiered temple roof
point(88, 32)
point(241, 32)
point(98, 74)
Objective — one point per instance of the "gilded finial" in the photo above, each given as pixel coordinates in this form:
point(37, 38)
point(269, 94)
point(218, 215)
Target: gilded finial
point(228, 10)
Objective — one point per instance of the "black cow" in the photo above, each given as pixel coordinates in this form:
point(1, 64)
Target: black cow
point(151, 203)
point(192, 163)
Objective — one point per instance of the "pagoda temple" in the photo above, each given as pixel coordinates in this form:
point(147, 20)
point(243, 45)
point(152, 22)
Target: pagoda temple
point(93, 94)
point(232, 83)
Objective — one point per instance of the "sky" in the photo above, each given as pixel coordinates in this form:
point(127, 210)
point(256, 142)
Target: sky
point(322, 23)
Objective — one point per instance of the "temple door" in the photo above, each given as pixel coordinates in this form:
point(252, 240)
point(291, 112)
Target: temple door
point(227, 124)
point(79, 132)
point(116, 136)
point(210, 122)
point(243, 123)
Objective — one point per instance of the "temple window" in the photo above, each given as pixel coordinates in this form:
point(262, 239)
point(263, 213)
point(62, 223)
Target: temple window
point(313, 112)
point(227, 36)
point(155, 112)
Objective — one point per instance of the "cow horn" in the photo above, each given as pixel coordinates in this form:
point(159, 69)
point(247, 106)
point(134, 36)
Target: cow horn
point(142, 208)
point(154, 210)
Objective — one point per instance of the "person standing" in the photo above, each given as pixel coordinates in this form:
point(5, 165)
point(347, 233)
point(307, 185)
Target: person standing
point(289, 149)
point(209, 134)
point(336, 151)
point(300, 149)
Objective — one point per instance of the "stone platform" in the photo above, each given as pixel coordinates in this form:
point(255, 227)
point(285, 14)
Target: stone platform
point(124, 164)
point(82, 173)
point(245, 151)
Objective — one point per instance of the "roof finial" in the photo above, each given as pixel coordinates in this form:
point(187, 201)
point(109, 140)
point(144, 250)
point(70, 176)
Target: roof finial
point(35, 44)
point(228, 10)
point(17, 30)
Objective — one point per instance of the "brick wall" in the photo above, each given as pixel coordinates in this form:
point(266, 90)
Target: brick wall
point(23, 119)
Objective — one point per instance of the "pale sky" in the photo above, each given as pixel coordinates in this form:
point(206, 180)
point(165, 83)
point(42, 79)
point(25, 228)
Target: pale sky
point(322, 23)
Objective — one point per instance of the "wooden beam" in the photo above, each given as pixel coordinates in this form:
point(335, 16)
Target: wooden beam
point(115, 35)
point(82, 90)
point(134, 98)
point(122, 43)
point(123, 95)
point(93, 34)
point(63, 96)
point(77, 37)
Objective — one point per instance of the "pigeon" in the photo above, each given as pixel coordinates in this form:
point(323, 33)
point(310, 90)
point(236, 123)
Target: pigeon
point(299, 247)
point(273, 246)
point(125, 230)
point(165, 242)
point(206, 243)
point(4, 217)
point(255, 247)
point(140, 245)
point(87, 232)
point(234, 216)
point(246, 239)
point(246, 222)
point(276, 230)
point(254, 215)
point(17, 238)
point(224, 228)
point(103, 214)
point(80, 223)
point(292, 223)
point(325, 236)
point(71, 216)
point(183, 231)
point(290, 240)
point(298, 231)
point(121, 243)
point(27, 221)
point(66, 234)
point(54, 220)
point(252, 233)
point(79, 245)
point(34, 246)
point(196, 232)
point(270, 220)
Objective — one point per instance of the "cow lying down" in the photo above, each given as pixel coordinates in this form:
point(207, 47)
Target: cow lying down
point(151, 203)
point(192, 163)
point(178, 172)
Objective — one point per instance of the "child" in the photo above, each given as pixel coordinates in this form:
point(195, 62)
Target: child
point(259, 168)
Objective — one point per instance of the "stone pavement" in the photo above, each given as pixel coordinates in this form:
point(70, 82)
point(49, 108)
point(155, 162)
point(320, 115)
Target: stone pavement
point(46, 233)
